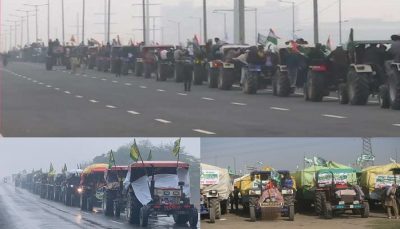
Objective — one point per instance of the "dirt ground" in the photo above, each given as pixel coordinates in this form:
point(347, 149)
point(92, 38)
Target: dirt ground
point(377, 220)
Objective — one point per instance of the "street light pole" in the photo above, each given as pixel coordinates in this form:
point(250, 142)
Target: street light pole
point(340, 22)
point(83, 23)
point(48, 20)
point(316, 30)
point(63, 22)
point(144, 21)
point(37, 23)
point(293, 17)
point(109, 21)
point(179, 29)
point(22, 26)
point(205, 20)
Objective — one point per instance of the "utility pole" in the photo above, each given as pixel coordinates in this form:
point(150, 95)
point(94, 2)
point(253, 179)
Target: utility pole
point(225, 30)
point(48, 20)
point(109, 21)
point(293, 17)
point(37, 23)
point(83, 22)
point(27, 23)
point(340, 22)
point(316, 31)
point(144, 22)
point(178, 23)
point(22, 27)
point(239, 22)
point(205, 20)
point(63, 25)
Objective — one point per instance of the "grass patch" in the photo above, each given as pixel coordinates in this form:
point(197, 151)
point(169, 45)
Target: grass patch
point(384, 224)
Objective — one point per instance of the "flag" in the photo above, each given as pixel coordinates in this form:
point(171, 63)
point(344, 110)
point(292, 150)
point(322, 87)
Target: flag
point(150, 156)
point(118, 40)
point(318, 161)
point(111, 160)
point(51, 169)
point(261, 39)
point(73, 39)
point(64, 170)
point(177, 147)
point(272, 37)
point(134, 152)
point(196, 40)
point(329, 44)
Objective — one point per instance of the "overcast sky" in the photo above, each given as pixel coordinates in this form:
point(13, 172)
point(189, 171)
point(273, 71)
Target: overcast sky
point(288, 153)
point(29, 153)
point(271, 14)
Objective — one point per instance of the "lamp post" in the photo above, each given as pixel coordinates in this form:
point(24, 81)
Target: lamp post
point(200, 24)
point(225, 30)
point(22, 24)
point(293, 16)
point(15, 31)
point(27, 23)
point(83, 22)
point(37, 24)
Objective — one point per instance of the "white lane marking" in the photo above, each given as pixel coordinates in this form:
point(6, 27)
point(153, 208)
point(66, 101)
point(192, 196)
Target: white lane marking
point(396, 124)
point(94, 77)
point(128, 84)
point(35, 81)
point(64, 71)
point(181, 93)
point(133, 112)
point(93, 101)
point(298, 93)
point(373, 102)
point(84, 75)
point(111, 107)
point(279, 109)
point(162, 120)
point(160, 90)
point(239, 104)
point(333, 116)
point(204, 131)
point(330, 97)
point(78, 96)
point(206, 98)
point(48, 86)
point(141, 86)
point(104, 79)
point(237, 86)
point(114, 81)
point(57, 88)
point(40, 83)
point(67, 92)
point(116, 222)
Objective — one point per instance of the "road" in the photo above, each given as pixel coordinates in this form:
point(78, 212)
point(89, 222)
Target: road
point(41, 103)
point(304, 221)
point(20, 209)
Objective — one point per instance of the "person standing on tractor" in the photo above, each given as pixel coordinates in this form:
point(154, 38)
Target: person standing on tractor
point(374, 56)
point(390, 201)
point(293, 65)
point(395, 48)
point(340, 63)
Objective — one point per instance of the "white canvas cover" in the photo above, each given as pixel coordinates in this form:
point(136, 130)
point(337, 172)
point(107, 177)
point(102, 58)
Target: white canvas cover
point(223, 186)
point(141, 189)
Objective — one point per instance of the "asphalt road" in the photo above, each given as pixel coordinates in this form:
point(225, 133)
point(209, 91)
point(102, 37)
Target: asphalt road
point(20, 209)
point(304, 221)
point(41, 103)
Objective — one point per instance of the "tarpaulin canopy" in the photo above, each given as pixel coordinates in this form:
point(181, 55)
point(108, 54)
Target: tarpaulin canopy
point(306, 178)
point(245, 183)
point(95, 168)
point(379, 177)
point(215, 178)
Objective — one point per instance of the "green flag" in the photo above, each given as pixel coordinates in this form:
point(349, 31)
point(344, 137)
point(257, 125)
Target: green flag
point(177, 147)
point(64, 170)
point(272, 37)
point(111, 160)
point(134, 152)
point(150, 156)
point(51, 170)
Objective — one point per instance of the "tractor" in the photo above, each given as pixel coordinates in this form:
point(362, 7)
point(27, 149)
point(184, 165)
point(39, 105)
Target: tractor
point(113, 198)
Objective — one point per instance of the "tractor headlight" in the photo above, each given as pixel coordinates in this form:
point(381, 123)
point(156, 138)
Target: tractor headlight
point(80, 190)
point(71, 186)
point(341, 202)
point(356, 202)
point(213, 192)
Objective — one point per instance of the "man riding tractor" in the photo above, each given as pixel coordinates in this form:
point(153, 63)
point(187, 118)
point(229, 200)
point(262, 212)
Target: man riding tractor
point(159, 188)
point(253, 77)
point(113, 198)
point(165, 64)
point(91, 186)
point(336, 196)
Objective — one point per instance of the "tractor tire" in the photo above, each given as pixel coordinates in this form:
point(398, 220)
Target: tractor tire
point(283, 85)
point(384, 97)
point(224, 207)
point(89, 204)
point(162, 72)
point(136, 206)
point(328, 213)
point(343, 94)
point(274, 84)
point(198, 74)
point(181, 220)
point(83, 203)
point(250, 84)
point(305, 92)
point(291, 213)
point(365, 210)
point(108, 204)
point(117, 209)
point(139, 69)
point(212, 78)
point(224, 80)
point(315, 86)
point(194, 218)
point(358, 87)
point(211, 212)
point(67, 198)
point(178, 72)
point(144, 216)
point(214, 203)
point(130, 209)
point(252, 210)
point(319, 200)
point(394, 89)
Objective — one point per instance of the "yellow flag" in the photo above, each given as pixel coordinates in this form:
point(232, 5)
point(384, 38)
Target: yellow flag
point(134, 152)
point(177, 147)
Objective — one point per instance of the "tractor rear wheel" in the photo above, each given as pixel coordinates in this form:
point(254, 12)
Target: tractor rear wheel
point(384, 97)
point(358, 87)
point(144, 216)
point(291, 213)
point(343, 94)
point(250, 83)
point(365, 210)
point(315, 86)
point(394, 89)
point(328, 214)
point(283, 84)
point(194, 218)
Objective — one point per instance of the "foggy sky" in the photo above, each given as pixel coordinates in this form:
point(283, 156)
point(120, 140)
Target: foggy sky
point(35, 153)
point(271, 14)
point(288, 153)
